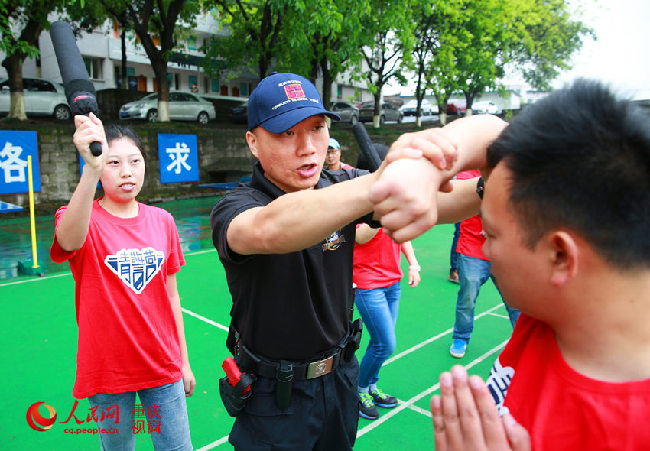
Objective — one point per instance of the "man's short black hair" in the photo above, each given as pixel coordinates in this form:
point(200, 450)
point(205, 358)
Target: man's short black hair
point(580, 160)
point(116, 131)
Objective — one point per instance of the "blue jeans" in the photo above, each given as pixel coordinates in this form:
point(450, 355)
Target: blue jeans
point(453, 255)
point(378, 308)
point(164, 404)
point(472, 274)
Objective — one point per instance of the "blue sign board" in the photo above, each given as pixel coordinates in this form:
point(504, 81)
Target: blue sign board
point(15, 146)
point(82, 163)
point(6, 207)
point(179, 158)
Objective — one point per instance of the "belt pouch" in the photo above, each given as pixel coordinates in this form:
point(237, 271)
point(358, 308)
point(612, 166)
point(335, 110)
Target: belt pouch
point(354, 339)
point(283, 386)
point(232, 397)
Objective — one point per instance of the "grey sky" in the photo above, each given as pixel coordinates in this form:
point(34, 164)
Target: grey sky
point(621, 54)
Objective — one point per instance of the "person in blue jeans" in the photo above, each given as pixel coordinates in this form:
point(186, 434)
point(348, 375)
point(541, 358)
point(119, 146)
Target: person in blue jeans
point(453, 256)
point(473, 272)
point(377, 275)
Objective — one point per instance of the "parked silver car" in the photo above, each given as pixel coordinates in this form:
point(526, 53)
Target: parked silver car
point(183, 106)
point(42, 98)
point(349, 113)
point(389, 112)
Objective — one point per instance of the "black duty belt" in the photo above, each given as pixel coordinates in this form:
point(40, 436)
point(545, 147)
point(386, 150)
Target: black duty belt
point(261, 366)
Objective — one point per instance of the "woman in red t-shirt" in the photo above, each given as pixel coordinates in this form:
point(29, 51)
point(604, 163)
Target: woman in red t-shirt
point(124, 257)
point(377, 276)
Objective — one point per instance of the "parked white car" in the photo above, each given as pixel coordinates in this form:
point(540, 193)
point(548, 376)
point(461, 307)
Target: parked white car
point(42, 98)
point(410, 107)
point(183, 106)
point(485, 107)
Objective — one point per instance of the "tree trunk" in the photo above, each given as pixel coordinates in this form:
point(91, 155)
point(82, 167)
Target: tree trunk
point(377, 112)
point(160, 69)
point(327, 82)
point(14, 66)
point(125, 78)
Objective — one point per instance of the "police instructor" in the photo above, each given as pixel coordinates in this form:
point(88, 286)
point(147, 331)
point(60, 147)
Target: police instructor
point(286, 241)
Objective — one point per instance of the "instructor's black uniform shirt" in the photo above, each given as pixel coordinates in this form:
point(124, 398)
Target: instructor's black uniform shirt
point(293, 306)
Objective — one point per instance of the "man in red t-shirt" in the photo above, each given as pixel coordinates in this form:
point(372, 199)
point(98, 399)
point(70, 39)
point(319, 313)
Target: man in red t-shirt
point(473, 272)
point(566, 215)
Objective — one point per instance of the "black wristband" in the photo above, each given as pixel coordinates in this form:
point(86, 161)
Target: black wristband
point(480, 187)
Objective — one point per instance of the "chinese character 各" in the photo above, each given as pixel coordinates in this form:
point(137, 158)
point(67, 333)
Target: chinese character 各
point(13, 166)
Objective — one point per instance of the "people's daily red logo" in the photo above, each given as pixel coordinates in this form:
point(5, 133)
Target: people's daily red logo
point(37, 421)
point(294, 91)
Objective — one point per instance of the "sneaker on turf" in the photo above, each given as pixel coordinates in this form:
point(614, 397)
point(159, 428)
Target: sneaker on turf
point(458, 348)
point(381, 399)
point(367, 408)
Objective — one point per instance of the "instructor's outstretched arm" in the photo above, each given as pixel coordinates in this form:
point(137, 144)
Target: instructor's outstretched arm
point(406, 195)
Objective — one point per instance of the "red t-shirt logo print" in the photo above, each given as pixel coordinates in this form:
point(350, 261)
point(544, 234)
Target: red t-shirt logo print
point(294, 91)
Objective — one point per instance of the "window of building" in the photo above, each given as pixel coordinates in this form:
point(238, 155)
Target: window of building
point(215, 85)
point(339, 91)
point(243, 88)
point(194, 87)
point(94, 68)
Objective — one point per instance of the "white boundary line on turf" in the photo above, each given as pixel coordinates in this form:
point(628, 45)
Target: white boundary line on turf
point(434, 338)
point(203, 318)
point(214, 444)
point(204, 251)
point(421, 395)
point(417, 409)
point(68, 273)
point(36, 279)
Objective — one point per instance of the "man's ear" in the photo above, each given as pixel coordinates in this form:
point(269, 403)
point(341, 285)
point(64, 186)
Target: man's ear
point(251, 139)
point(564, 257)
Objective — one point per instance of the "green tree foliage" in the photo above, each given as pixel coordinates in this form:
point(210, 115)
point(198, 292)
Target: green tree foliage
point(323, 38)
point(255, 32)
point(480, 62)
point(439, 31)
point(544, 34)
point(442, 78)
point(21, 23)
point(475, 40)
point(157, 23)
point(388, 36)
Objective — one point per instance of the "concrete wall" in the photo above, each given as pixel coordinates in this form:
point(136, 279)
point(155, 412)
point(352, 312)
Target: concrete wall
point(223, 157)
